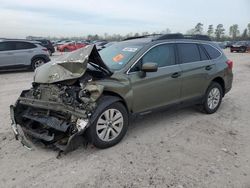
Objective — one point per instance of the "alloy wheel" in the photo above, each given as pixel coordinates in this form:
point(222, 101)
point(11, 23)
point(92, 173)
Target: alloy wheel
point(109, 125)
point(38, 63)
point(213, 98)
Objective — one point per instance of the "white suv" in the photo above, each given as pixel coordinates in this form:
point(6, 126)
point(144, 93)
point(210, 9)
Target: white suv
point(22, 54)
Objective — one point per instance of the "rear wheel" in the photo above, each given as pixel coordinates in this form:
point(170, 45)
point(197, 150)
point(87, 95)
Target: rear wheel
point(37, 63)
point(212, 98)
point(109, 127)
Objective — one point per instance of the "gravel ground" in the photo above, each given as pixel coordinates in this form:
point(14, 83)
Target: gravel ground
point(177, 148)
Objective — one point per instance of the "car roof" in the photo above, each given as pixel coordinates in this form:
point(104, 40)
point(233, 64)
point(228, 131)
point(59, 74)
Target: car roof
point(168, 37)
point(18, 40)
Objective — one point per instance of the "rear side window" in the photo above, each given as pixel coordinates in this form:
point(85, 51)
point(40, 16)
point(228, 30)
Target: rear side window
point(24, 45)
point(188, 53)
point(212, 52)
point(7, 46)
point(163, 55)
point(203, 54)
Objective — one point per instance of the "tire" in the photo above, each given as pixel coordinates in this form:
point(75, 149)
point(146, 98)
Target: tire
point(213, 98)
point(102, 135)
point(37, 63)
point(50, 52)
point(243, 50)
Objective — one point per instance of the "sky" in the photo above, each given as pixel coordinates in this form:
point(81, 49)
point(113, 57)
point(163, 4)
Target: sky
point(71, 18)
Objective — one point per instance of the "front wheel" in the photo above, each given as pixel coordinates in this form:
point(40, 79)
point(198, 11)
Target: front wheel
point(213, 98)
point(109, 127)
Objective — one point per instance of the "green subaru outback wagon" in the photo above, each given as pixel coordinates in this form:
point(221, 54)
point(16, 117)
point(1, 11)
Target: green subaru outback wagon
point(90, 96)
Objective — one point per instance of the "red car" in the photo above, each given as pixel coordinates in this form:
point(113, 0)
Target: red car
point(69, 47)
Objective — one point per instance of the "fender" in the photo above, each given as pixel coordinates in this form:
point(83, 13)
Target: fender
point(102, 103)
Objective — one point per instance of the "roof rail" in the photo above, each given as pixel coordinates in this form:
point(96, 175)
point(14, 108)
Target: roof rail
point(143, 36)
point(181, 36)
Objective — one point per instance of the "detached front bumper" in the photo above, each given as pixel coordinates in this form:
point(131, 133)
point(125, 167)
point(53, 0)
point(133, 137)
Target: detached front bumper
point(18, 132)
point(28, 136)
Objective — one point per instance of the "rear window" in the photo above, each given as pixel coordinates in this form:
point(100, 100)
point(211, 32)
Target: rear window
point(188, 53)
point(212, 52)
point(24, 45)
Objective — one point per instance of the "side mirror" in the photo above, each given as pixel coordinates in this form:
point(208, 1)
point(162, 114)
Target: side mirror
point(149, 67)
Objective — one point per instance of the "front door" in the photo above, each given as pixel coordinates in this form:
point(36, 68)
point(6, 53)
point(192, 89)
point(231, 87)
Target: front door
point(159, 88)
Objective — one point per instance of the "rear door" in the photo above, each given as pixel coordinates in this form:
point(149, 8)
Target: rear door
point(196, 67)
point(7, 57)
point(24, 52)
point(159, 88)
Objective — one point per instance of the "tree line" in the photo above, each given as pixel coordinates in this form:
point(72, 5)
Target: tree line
point(217, 33)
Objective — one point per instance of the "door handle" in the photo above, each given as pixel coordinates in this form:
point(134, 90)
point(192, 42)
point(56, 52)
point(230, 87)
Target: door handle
point(176, 75)
point(209, 67)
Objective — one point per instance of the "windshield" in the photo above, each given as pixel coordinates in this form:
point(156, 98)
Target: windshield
point(118, 55)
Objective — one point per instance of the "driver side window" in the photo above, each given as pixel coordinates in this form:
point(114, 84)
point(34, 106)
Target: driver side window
point(163, 55)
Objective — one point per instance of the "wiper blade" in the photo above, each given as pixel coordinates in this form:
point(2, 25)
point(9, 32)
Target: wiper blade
point(99, 68)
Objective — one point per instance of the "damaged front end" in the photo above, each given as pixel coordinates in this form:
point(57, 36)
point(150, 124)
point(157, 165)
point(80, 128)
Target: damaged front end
point(58, 108)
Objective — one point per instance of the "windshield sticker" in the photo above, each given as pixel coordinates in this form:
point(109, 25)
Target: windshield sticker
point(118, 58)
point(130, 49)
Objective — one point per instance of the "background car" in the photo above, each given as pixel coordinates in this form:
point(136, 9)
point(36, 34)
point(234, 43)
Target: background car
point(47, 44)
point(69, 47)
point(221, 45)
point(22, 54)
point(100, 44)
point(228, 44)
point(241, 46)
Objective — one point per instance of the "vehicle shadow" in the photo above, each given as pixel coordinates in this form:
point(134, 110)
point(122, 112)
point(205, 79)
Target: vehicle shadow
point(15, 71)
point(140, 125)
point(159, 118)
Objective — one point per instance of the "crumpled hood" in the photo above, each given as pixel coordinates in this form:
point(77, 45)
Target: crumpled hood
point(69, 66)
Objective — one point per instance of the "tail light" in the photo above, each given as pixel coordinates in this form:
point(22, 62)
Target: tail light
point(45, 49)
point(230, 64)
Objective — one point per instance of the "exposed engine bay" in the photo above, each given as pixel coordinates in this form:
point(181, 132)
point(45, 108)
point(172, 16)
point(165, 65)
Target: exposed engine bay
point(58, 112)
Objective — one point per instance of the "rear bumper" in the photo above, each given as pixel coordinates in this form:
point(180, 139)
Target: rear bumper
point(229, 83)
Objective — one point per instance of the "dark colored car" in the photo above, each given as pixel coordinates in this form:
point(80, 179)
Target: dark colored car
point(47, 44)
point(241, 46)
point(91, 95)
point(228, 44)
point(100, 44)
